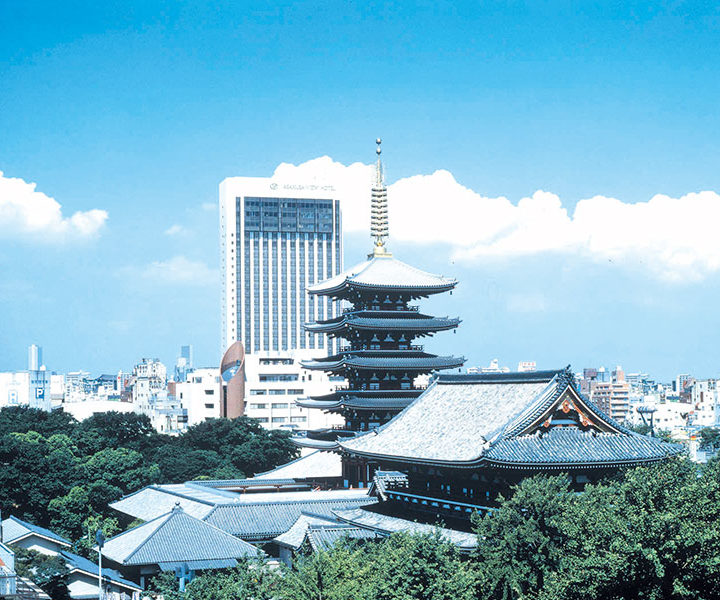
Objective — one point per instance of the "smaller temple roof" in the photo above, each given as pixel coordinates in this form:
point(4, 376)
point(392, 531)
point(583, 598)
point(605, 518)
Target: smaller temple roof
point(316, 465)
point(78, 563)
point(268, 518)
point(320, 532)
point(176, 537)
point(528, 420)
point(386, 525)
point(14, 530)
point(384, 273)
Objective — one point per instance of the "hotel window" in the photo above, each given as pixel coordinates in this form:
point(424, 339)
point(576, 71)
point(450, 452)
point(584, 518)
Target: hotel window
point(280, 405)
point(258, 406)
point(279, 419)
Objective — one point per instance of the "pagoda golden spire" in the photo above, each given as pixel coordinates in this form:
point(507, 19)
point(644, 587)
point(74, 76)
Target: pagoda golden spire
point(379, 208)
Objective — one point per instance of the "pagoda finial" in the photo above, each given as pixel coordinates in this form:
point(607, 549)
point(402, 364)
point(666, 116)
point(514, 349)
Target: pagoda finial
point(379, 209)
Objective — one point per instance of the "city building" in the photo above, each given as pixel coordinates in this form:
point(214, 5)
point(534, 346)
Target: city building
point(35, 357)
point(150, 396)
point(184, 363)
point(613, 397)
point(25, 388)
point(201, 395)
point(705, 402)
point(277, 238)
point(276, 386)
point(380, 359)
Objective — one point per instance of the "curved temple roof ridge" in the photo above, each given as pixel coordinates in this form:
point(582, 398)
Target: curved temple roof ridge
point(463, 420)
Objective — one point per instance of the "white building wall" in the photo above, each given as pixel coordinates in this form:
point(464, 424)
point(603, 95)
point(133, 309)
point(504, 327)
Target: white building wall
point(275, 380)
point(705, 400)
point(201, 395)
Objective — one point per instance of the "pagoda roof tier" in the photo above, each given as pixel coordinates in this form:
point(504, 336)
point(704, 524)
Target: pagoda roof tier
point(533, 420)
point(383, 321)
point(384, 273)
point(420, 362)
point(358, 403)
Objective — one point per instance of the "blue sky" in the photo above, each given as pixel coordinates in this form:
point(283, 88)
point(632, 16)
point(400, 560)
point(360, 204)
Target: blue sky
point(140, 109)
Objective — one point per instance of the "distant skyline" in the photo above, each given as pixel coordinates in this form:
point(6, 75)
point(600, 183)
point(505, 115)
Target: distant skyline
point(562, 163)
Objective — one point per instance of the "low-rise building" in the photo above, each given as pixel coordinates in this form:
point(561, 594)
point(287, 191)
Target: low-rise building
point(706, 403)
point(200, 394)
point(274, 381)
point(22, 534)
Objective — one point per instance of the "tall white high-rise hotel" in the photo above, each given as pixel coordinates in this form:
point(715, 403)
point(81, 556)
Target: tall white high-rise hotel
point(276, 239)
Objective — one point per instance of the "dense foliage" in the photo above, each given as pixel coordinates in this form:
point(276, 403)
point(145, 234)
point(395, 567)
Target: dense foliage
point(62, 474)
point(651, 533)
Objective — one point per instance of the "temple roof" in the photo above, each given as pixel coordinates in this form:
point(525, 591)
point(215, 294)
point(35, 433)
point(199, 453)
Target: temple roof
point(506, 419)
point(320, 532)
point(14, 530)
point(389, 321)
point(383, 273)
point(176, 537)
point(386, 525)
point(316, 465)
point(266, 519)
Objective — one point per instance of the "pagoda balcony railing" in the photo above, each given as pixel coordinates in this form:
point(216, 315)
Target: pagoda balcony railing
point(375, 307)
point(415, 347)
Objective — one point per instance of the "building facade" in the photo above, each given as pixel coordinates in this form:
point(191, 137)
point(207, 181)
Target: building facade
point(275, 385)
point(277, 238)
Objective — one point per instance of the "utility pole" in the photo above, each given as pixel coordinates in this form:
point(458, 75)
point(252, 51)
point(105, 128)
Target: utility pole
point(100, 539)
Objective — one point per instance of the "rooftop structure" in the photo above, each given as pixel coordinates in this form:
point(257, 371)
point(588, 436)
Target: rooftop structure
point(315, 533)
point(82, 579)
point(380, 360)
point(256, 517)
point(171, 541)
point(469, 438)
point(33, 537)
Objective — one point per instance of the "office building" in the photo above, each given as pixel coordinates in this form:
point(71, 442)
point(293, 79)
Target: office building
point(277, 385)
point(35, 357)
point(200, 394)
point(277, 238)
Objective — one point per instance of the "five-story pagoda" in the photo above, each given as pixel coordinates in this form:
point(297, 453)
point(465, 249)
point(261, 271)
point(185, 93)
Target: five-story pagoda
point(380, 360)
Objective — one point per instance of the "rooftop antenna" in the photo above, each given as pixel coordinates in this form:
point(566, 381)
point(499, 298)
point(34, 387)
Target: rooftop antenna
point(379, 209)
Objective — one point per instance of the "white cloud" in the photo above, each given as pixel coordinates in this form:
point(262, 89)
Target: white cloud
point(25, 212)
point(175, 230)
point(673, 239)
point(180, 270)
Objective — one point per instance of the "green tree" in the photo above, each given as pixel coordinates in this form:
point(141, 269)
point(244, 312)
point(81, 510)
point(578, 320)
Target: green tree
point(115, 430)
point(522, 543)
point(34, 472)
point(121, 467)
point(48, 572)
point(21, 419)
